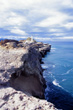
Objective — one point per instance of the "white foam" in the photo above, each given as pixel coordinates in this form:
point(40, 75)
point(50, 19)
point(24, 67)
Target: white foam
point(56, 83)
point(64, 80)
point(44, 66)
point(53, 66)
point(68, 71)
point(50, 72)
point(53, 48)
point(44, 76)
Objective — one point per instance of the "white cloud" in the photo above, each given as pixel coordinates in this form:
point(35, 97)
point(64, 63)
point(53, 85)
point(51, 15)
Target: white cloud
point(58, 34)
point(15, 19)
point(18, 31)
point(56, 18)
point(69, 37)
point(12, 19)
point(56, 38)
point(63, 38)
point(25, 15)
point(68, 25)
point(68, 3)
point(55, 30)
point(43, 39)
point(14, 37)
point(36, 30)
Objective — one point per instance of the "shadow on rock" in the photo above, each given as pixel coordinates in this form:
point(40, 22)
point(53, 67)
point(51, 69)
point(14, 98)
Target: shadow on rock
point(29, 85)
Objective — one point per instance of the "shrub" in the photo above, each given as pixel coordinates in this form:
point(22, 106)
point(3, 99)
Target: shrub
point(29, 38)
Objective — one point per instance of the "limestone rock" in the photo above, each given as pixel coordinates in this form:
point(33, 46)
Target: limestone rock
point(10, 99)
point(21, 76)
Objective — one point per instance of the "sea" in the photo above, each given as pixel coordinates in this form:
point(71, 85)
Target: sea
point(58, 65)
point(58, 73)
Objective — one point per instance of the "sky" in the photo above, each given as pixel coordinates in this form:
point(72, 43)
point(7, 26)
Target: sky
point(42, 19)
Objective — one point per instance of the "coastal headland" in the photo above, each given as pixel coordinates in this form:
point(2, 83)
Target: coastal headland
point(22, 84)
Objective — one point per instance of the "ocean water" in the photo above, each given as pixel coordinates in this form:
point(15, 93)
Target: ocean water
point(59, 75)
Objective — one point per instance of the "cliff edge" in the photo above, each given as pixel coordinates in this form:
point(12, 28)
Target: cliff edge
point(21, 75)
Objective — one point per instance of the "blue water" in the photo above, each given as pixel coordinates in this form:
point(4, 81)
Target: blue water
point(59, 75)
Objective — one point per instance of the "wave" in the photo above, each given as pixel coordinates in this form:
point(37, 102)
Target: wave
point(56, 83)
point(53, 48)
point(59, 97)
point(68, 72)
point(53, 66)
point(44, 66)
point(64, 80)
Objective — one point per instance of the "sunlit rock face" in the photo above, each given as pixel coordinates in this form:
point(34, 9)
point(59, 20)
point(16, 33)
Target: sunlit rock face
point(21, 73)
point(10, 99)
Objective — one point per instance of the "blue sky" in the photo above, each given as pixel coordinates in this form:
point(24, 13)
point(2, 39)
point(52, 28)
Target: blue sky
point(47, 19)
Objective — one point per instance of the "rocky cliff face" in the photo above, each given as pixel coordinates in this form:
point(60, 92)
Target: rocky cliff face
point(21, 75)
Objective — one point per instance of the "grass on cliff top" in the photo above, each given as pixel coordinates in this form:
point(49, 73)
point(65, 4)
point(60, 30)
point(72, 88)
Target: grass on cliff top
point(2, 42)
point(29, 39)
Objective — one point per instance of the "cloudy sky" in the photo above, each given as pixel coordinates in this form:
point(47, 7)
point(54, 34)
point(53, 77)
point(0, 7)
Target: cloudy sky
point(50, 19)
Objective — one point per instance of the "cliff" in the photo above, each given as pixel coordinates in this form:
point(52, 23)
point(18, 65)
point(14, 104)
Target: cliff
point(21, 75)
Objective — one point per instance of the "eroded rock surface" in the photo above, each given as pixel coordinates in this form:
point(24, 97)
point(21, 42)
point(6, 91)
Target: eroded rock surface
point(21, 74)
point(10, 99)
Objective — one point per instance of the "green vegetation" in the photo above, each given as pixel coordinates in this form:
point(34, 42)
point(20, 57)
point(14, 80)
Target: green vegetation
point(2, 42)
point(30, 39)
